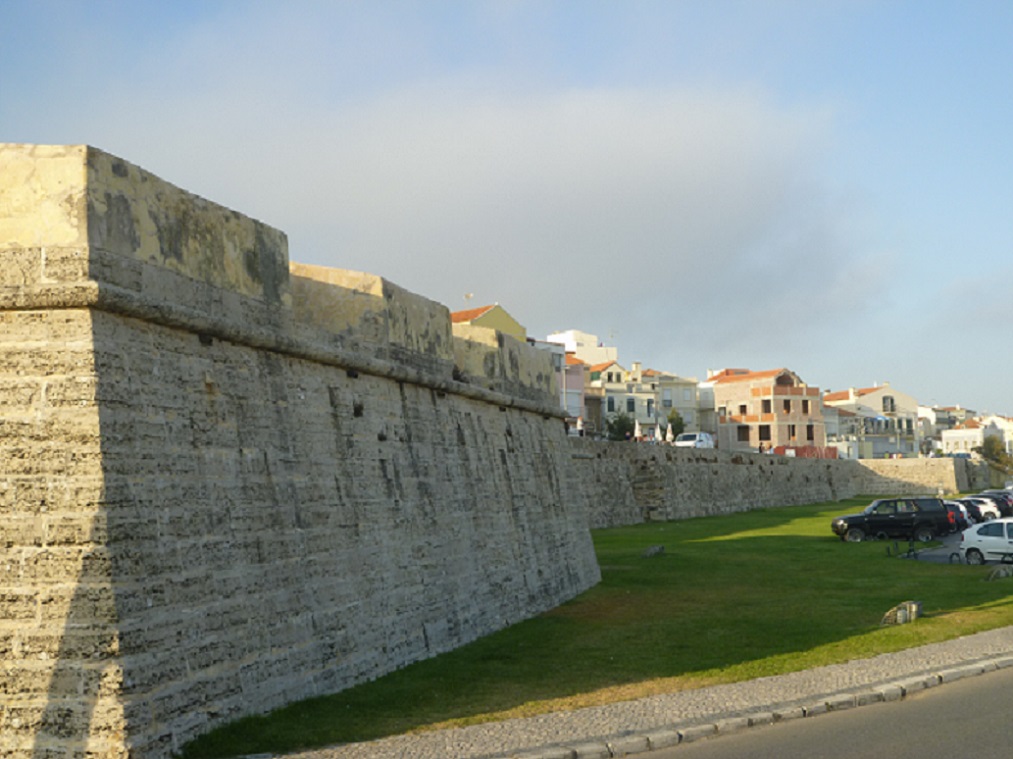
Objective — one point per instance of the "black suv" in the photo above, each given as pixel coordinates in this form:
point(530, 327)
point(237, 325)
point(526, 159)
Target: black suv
point(910, 518)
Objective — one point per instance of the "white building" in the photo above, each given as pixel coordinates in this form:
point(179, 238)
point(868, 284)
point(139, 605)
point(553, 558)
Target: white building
point(588, 348)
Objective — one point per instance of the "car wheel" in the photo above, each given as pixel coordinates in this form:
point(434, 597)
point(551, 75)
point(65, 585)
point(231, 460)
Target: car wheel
point(854, 535)
point(924, 533)
point(974, 556)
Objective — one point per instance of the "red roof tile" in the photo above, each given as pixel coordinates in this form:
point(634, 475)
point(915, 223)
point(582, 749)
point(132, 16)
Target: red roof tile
point(460, 317)
point(744, 376)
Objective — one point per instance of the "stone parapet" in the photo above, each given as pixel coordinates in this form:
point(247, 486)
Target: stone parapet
point(80, 228)
point(491, 359)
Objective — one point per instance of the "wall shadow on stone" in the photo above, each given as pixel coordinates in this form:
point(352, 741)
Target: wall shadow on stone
point(279, 529)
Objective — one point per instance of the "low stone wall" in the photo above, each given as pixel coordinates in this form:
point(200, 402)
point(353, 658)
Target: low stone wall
point(628, 483)
point(942, 476)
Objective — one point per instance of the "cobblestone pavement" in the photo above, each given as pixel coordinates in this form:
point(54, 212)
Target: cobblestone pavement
point(646, 724)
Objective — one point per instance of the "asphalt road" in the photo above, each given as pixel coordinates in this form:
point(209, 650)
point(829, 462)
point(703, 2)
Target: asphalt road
point(969, 718)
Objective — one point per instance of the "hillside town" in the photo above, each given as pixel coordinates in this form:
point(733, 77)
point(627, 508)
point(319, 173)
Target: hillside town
point(768, 410)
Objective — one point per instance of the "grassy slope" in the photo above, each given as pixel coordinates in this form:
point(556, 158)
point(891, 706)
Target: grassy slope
point(731, 598)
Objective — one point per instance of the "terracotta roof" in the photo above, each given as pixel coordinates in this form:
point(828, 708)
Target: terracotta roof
point(460, 317)
point(572, 360)
point(741, 375)
point(603, 367)
point(843, 395)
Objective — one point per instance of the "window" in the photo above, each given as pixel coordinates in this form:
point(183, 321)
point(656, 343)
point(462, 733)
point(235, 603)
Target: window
point(631, 405)
point(810, 432)
point(767, 406)
point(650, 407)
point(885, 507)
point(743, 410)
point(889, 406)
point(805, 407)
point(791, 431)
point(787, 405)
point(764, 432)
point(991, 530)
point(742, 432)
point(666, 398)
point(611, 404)
point(687, 394)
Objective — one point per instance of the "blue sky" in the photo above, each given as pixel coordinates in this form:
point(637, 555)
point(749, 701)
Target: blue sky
point(825, 186)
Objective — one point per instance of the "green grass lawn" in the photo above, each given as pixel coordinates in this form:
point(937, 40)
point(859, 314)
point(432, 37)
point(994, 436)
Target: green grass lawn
point(731, 598)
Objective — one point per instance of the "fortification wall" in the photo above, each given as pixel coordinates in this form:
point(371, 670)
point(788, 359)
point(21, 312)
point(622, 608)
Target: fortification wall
point(925, 476)
point(227, 483)
point(228, 487)
point(624, 483)
point(627, 483)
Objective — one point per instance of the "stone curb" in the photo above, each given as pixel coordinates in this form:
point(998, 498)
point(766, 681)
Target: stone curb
point(674, 735)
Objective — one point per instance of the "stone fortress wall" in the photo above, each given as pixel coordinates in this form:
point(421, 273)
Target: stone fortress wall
point(628, 484)
point(228, 482)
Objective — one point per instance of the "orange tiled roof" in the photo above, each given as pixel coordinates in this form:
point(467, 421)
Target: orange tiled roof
point(843, 395)
point(460, 317)
point(740, 375)
point(572, 360)
point(603, 367)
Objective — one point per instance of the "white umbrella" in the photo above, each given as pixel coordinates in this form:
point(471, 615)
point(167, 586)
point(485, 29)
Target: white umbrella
point(637, 432)
point(669, 435)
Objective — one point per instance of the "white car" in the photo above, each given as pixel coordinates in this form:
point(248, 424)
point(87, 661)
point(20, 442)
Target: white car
point(990, 541)
point(694, 440)
point(986, 506)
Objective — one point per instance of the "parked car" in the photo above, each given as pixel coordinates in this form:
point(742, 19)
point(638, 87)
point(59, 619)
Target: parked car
point(959, 517)
point(992, 541)
point(985, 507)
point(694, 440)
point(911, 518)
point(1002, 500)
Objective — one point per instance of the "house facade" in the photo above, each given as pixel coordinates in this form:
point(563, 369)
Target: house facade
point(572, 388)
point(884, 422)
point(968, 436)
point(647, 396)
point(675, 393)
point(588, 348)
point(772, 409)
